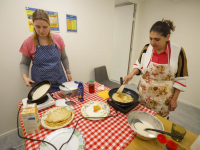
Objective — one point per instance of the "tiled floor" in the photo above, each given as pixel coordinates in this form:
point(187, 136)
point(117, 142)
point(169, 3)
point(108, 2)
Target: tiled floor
point(184, 115)
point(12, 141)
point(187, 117)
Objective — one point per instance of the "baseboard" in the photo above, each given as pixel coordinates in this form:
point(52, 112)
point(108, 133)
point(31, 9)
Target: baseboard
point(9, 132)
point(192, 105)
point(115, 81)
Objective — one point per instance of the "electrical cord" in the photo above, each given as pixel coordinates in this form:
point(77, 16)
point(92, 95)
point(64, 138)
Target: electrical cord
point(86, 118)
point(71, 134)
point(29, 138)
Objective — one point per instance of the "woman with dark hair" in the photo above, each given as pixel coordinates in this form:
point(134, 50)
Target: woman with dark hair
point(163, 69)
point(47, 51)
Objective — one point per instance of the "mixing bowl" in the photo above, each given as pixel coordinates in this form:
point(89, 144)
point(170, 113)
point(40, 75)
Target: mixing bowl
point(148, 121)
point(70, 89)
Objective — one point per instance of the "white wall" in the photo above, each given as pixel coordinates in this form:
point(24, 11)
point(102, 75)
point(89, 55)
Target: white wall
point(90, 47)
point(186, 16)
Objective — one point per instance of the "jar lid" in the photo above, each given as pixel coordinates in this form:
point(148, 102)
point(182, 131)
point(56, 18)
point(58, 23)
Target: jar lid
point(171, 145)
point(91, 81)
point(161, 138)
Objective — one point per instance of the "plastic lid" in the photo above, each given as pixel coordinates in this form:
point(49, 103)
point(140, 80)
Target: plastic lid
point(171, 145)
point(161, 138)
point(76, 82)
point(91, 81)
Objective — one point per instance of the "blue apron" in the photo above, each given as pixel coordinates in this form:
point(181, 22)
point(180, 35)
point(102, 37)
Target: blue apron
point(47, 66)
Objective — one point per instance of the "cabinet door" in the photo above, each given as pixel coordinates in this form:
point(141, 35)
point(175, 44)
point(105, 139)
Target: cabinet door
point(122, 40)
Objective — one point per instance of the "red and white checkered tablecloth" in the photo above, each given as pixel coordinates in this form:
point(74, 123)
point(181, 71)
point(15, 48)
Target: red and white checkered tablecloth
point(112, 133)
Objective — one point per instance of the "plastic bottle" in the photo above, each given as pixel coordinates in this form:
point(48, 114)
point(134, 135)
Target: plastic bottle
point(91, 86)
point(80, 92)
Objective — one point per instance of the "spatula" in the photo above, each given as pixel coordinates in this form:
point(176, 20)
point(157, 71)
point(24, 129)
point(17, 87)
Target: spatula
point(119, 91)
point(63, 85)
point(68, 102)
point(163, 132)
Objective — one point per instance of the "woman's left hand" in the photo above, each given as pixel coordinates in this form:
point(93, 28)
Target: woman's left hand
point(69, 77)
point(172, 105)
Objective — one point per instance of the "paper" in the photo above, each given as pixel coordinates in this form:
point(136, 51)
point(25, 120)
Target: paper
point(24, 101)
point(196, 144)
point(101, 88)
point(61, 102)
point(104, 94)
point(53, 17)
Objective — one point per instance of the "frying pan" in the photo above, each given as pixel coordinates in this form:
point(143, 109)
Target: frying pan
point(35, 87)
point(132, 93)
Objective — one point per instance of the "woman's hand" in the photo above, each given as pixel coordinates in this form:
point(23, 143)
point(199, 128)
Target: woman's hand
point(127, 78)
point(130, 75)
point(69, 77)
point(172, 105)
point(27, 80)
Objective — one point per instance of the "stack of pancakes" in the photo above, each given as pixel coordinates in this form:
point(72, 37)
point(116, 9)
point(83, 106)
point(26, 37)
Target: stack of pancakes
point(59, 117)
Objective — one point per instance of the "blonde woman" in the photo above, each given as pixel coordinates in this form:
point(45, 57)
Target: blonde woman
point(163, 69)
point(46, 51)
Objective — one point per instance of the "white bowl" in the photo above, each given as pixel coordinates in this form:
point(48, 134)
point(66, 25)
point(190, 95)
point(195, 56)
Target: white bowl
point(148, 121)
point(71, 90)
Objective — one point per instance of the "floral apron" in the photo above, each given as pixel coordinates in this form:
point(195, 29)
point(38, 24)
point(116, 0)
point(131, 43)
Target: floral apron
point(156, 87)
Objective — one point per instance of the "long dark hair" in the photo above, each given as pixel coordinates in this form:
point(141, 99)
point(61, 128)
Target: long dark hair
point(163, 27)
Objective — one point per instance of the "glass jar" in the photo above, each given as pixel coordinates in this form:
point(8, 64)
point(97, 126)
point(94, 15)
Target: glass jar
point(91, 86)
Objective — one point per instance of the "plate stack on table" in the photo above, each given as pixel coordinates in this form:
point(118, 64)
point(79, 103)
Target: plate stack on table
point(109, 133)
point(57, 117)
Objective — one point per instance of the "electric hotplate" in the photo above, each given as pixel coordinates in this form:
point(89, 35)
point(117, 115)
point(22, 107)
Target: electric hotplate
point(122, 109)
point(44, 103)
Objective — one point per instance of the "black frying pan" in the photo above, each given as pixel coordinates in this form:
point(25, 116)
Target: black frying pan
point(132, 93)
point(35, 87)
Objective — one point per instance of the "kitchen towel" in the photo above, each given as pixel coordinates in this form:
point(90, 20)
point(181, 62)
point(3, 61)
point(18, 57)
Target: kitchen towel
point(104, 94)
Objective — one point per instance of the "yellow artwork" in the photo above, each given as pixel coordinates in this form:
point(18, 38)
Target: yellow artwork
point(53, 17)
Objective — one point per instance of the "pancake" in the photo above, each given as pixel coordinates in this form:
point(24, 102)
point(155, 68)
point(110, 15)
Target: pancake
point(58, 115)
point(61, 123)
point(123, 97)
point(96, 108)
point(40, 91)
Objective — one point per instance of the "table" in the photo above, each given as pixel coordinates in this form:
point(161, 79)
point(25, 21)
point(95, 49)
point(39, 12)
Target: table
point(109, 134)
point(156, 145)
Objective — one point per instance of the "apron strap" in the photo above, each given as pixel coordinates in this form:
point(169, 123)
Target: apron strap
point(38, 42)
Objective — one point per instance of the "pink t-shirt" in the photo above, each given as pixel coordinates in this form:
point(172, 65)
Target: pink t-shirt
point(28, 47)
point(161, 58)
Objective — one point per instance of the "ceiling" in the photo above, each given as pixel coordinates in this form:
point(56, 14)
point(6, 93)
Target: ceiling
point(125, 2)
point(120, 2)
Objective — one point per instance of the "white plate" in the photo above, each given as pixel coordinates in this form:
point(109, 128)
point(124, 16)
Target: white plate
point(44, 116)
point(87, 110)
point(58, 137)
